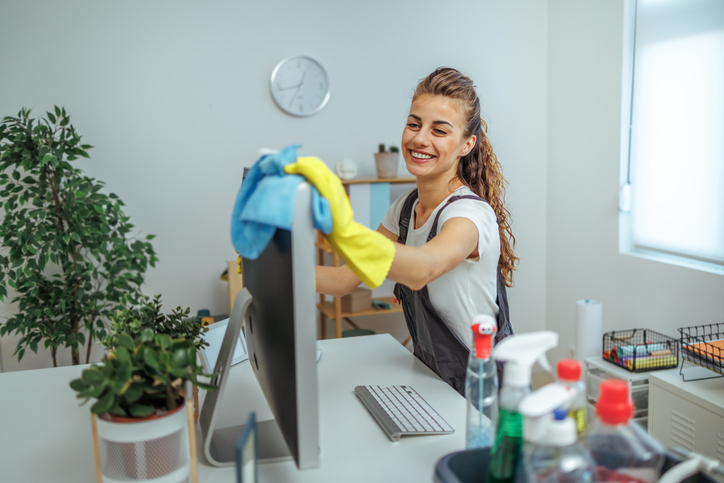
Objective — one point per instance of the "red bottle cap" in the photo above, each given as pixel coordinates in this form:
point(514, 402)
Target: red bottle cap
point(614, 404)
point(483, 335)
point(569, 370)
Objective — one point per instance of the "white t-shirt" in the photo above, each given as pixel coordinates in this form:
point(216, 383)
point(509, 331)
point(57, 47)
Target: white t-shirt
point(469, 289)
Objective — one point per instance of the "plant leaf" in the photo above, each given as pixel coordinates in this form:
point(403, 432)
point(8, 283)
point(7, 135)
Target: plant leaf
point(150, 357)
point(123, 355)
point(141, 410)
point(76, 384)
point(133, 393)
point(104, 403)
point(93, 392)
point(146, 335)
point(207, 387)
point(179, 358)
point(92, 376)
point(125, 340)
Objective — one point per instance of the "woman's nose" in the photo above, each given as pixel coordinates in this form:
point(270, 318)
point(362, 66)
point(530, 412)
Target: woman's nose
point(421, 138)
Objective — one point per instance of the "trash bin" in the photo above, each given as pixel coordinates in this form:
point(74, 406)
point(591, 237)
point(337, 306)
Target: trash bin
point(471, 466)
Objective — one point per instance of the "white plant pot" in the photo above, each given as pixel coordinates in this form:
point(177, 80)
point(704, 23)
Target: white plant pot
point(386, 164)
point(154, 451)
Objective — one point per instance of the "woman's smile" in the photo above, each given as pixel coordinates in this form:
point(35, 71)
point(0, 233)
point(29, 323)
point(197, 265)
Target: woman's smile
point(420, 156)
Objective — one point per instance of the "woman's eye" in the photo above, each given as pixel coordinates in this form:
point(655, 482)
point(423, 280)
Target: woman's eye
point(413, 125)
point(440, 131)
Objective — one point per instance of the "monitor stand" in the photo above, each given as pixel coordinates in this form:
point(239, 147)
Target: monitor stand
point(219, 443)
point(271, 447)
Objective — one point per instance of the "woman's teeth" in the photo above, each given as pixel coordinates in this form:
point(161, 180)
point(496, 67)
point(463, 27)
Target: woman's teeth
point(420, 155)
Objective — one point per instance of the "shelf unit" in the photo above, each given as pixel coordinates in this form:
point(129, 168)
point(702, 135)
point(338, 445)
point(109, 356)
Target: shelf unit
point(638, 383)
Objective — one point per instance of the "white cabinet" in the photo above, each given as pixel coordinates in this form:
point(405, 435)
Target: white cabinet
point(598, 370)
point(689, 415)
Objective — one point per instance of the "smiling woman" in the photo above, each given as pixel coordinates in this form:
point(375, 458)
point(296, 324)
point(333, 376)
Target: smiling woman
point(454, 256)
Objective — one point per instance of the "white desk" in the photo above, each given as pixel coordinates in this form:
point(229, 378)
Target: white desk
point(46, 437)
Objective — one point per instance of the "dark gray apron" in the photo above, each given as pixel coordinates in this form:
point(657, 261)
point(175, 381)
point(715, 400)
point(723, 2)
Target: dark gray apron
point(432, 340)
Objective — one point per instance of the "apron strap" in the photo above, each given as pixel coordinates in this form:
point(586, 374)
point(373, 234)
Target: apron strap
point(405, 216)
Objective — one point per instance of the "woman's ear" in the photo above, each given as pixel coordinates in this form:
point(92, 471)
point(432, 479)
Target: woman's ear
point(469, 145)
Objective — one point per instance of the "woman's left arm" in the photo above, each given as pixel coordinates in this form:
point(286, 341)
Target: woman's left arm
point(418, 266)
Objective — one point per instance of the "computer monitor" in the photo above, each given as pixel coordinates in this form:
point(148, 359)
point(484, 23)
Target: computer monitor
point(278, 309)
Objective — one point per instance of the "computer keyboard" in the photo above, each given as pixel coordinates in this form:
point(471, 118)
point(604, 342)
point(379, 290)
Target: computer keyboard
point(401, 411)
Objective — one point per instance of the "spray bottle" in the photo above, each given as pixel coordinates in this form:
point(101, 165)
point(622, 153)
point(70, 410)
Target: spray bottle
point(551, 452)
point(537, 412)
point(519, 352)
point(481, 386)
point(569, 375)
point(622, 450)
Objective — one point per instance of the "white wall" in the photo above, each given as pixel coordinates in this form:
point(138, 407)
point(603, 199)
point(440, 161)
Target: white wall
point(584, 107)
point(174, 97)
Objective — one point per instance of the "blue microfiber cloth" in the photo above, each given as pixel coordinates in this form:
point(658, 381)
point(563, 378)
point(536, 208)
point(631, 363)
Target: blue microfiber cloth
point(266, 202)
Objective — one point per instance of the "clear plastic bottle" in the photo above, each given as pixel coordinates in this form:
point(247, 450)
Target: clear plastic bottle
point(621, 449)
point(559, 457)
point(481, 386)
point(569, 374)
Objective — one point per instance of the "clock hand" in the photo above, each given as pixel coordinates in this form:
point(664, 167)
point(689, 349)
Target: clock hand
point(294, 96)
point(299, 87)
point(301, 83)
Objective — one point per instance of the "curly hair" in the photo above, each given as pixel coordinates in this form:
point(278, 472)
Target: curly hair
point(479, 170)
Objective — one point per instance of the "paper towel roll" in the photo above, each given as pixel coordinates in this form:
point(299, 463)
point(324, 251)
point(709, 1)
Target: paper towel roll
point(589, 336)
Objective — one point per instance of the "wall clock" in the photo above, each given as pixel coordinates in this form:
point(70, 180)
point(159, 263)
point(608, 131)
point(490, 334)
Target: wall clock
point(300, 86)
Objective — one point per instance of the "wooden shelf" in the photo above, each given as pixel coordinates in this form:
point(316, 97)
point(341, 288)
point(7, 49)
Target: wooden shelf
point(321, 244)
point(327, 308)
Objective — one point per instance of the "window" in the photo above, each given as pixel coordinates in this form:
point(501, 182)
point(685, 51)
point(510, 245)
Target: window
point(672, 196)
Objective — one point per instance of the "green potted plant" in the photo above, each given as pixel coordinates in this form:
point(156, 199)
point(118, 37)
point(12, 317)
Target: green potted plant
point(138, 391)
point(66, 248)
point(386, 162)
point(132, 320)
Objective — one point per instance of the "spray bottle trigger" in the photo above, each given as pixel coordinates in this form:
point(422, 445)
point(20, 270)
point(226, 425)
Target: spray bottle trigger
point(543, 361)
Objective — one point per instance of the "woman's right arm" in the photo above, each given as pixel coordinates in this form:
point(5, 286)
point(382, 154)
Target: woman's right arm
point(335, 281)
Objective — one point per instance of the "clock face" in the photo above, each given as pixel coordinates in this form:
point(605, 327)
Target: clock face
point(299, 86)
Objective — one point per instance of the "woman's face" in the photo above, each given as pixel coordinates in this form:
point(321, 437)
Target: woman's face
point(432, 142)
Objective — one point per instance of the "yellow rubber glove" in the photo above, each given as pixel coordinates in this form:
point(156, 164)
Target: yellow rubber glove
point(367, 252)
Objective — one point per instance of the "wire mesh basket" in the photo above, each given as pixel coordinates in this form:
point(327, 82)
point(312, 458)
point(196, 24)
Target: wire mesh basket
point(704, 345)
point(640, 350)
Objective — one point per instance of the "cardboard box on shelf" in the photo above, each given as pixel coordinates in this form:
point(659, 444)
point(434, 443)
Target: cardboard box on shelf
point(359, 299)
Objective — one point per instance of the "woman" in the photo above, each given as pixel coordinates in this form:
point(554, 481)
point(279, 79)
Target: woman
point(456, 254)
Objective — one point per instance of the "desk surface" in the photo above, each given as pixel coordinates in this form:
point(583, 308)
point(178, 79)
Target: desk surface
point(46, 436)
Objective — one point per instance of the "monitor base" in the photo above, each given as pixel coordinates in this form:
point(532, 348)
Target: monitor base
point(271, 447)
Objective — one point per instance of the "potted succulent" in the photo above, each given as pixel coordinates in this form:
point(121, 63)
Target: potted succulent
point(133, 320)
point(138, 391)
point(66, 246)
point(386, 162)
